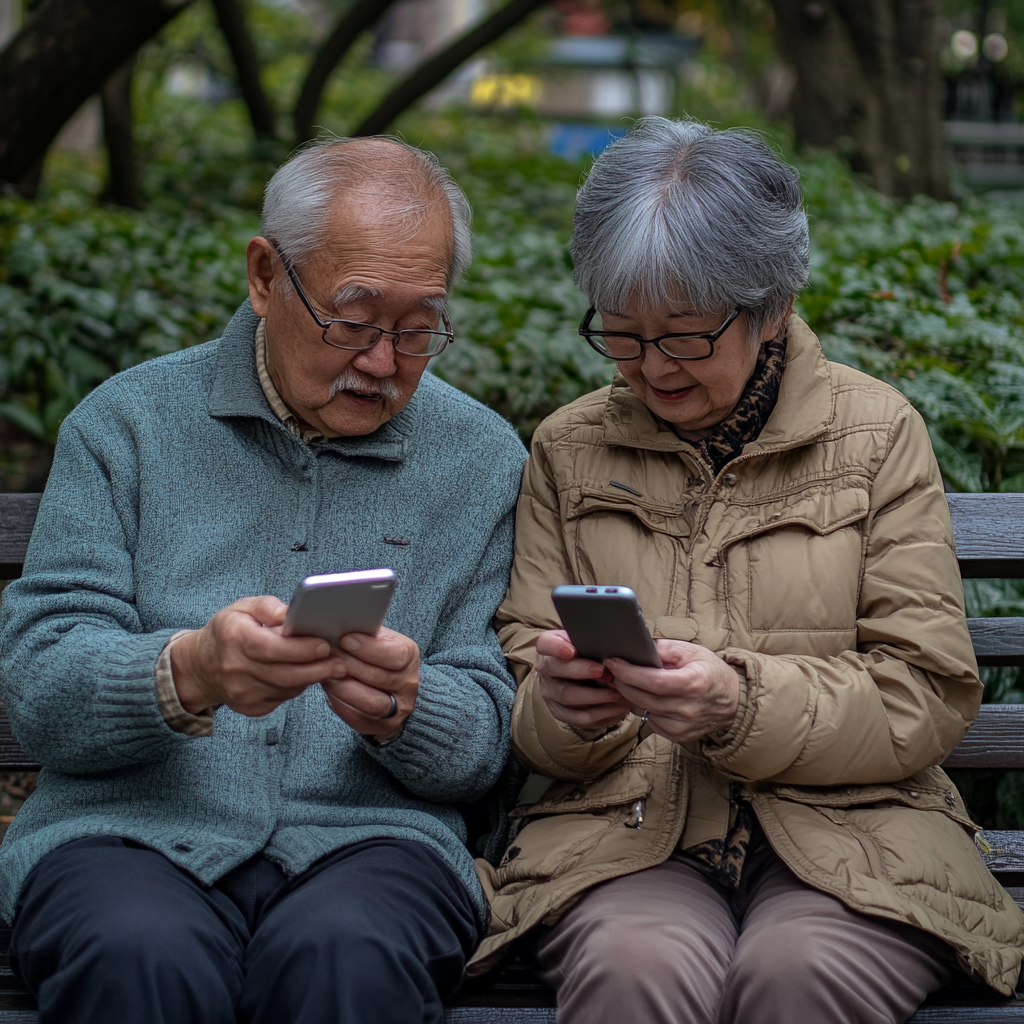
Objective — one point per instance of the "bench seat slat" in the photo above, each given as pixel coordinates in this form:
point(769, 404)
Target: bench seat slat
point(996, 740)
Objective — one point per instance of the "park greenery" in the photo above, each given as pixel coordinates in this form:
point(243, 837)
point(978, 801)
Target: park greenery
point(927, 295)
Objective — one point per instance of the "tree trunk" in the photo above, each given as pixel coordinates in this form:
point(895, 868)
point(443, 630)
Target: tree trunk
point(869, 84)
point(63, 54)
point(122, 176)
point(359, 17)
point(231, 17)
point(435, 70)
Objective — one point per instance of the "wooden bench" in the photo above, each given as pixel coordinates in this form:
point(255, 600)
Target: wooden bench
point(989, 530)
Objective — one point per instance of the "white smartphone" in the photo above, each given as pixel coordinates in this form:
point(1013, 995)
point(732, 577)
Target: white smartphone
point(605, 622)
point(332, 605)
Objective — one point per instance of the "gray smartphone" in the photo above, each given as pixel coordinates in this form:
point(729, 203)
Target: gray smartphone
point(605, 622)
point(332, 605)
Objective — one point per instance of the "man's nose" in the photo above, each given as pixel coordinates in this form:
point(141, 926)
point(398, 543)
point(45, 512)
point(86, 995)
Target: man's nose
point(378, 361)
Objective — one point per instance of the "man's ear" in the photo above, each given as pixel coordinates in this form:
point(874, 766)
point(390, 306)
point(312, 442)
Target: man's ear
point(259, 262)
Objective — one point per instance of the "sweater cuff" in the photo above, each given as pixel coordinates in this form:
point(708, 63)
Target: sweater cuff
point(176, 717)
point(437, 728)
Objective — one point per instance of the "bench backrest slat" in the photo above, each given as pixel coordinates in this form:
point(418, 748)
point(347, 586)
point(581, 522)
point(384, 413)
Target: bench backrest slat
point(998, 641)
point(989, 533)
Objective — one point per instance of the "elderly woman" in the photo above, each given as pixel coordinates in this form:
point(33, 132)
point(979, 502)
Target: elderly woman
point(756, 832)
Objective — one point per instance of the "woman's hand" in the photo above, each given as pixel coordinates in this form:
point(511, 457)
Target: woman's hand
point(576, 690)
point(696, 692)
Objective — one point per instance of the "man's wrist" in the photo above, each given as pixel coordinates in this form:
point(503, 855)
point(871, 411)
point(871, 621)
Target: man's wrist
point(191, 694)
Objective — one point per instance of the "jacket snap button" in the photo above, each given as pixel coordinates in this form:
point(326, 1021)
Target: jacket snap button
point(951, 799)
point(914, 793)
point(729, 479)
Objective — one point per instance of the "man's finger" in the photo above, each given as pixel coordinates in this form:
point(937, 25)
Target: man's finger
point(387, 650)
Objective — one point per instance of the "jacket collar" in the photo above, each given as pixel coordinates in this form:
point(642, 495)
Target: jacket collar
point(805, 408)
point(236, 393)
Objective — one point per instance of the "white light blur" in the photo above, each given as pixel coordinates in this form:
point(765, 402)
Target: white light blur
point(964, 44)
point(995, 47)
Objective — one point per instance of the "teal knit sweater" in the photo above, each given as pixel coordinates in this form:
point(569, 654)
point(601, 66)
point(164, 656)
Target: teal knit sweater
point(174, 492)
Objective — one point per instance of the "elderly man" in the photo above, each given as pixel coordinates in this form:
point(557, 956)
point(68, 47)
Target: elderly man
point(233, 824)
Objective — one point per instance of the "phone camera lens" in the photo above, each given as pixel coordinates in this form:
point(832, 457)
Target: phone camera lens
point(611, 590)
point(591, 590)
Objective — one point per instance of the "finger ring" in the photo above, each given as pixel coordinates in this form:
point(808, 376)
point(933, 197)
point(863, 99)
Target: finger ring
point(643, 719)
point(393, 710)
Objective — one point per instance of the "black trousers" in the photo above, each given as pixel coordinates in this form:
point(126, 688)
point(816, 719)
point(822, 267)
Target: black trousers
point(111, 932)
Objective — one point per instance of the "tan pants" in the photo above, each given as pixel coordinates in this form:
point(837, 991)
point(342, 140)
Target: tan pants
point(670, 946)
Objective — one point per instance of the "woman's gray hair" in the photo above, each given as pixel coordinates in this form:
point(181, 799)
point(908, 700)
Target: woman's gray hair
point(678, 210)
point(298, 198)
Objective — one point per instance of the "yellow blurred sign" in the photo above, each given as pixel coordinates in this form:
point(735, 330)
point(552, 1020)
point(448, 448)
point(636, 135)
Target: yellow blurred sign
point(505, 91)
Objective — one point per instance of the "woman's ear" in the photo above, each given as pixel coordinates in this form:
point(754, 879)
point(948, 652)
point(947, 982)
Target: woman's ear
point(772, 329)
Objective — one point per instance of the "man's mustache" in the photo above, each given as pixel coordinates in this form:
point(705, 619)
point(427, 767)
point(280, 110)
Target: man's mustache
point(352, 380)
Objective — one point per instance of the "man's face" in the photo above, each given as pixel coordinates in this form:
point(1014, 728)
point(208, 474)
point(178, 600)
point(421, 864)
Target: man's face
point(376, 269)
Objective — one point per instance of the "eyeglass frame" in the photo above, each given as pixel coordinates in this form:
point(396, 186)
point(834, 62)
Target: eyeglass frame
point(711, 337)
point(325, 326)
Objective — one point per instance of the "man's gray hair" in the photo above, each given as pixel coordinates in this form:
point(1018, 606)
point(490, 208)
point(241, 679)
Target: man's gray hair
point(298, 198)
point(677, 210)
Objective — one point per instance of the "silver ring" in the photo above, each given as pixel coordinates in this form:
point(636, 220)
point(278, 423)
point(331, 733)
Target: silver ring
point(393, 710)
point(643, 719)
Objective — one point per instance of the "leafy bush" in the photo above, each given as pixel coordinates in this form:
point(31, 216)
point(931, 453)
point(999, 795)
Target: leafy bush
point(86, 292)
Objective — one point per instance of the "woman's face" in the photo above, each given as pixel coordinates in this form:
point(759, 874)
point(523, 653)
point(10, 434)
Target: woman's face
point(693, 395)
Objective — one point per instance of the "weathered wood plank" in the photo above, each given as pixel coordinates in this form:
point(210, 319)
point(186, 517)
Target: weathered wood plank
point(1007, 851)
point(996, 740)
point(998, 641)
point(989, 533)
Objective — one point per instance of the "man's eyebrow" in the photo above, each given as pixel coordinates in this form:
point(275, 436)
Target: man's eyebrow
point(683, 313)
point(438, 303)
point(355, 292)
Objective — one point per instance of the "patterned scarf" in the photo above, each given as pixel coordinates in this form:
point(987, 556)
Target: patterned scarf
point(756, 403)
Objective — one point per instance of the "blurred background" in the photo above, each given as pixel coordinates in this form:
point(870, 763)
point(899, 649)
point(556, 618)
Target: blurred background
point(138, 135)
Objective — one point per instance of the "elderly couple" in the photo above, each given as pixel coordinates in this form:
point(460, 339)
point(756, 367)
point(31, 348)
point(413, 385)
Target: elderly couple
point(234, 824)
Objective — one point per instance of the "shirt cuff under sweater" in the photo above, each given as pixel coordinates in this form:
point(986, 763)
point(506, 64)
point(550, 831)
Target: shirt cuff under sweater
point(174, 714)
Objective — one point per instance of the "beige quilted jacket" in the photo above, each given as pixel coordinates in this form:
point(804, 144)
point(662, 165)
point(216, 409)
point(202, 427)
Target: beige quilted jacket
point(820, 562)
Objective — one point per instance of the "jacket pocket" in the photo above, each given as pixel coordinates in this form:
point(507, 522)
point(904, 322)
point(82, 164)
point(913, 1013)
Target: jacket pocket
point(560, 831)
point(928, 790)
point(796, 567)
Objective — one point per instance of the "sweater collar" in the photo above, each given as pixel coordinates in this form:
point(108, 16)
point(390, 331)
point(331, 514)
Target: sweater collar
point(804, 409)
point(236, 392)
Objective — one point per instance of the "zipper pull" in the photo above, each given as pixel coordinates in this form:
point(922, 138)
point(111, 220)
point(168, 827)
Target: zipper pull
point(636, 819)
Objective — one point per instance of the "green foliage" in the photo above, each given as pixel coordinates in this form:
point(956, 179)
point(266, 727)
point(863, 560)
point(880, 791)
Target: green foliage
point(86, 292)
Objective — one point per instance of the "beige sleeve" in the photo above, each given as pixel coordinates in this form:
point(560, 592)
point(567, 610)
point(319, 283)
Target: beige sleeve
point(540, 742)
point(174, 714)
point(905, 697)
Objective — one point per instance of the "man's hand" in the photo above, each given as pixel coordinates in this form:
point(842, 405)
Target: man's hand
point(373, 669)
point(576, 690)
point(240, 658)
point(696, 692)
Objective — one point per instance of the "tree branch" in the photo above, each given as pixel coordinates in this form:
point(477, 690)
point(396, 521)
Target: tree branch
point(231, 17)
point(122, 177)
point(435, 70)
point(359, 17)
point(63, 54)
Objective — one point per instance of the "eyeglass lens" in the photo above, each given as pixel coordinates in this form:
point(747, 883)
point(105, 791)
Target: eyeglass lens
point(348, 334)
point(629, 348)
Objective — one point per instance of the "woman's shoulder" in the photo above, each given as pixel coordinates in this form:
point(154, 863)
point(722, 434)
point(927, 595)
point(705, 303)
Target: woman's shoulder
point(576, 420)
point(859, 398)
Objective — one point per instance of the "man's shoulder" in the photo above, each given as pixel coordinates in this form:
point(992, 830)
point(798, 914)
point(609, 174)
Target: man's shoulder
point(179, 378)
point(449, 417)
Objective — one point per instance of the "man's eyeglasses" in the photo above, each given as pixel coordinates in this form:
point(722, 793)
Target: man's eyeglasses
point(358, 337)
point(623, 346)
